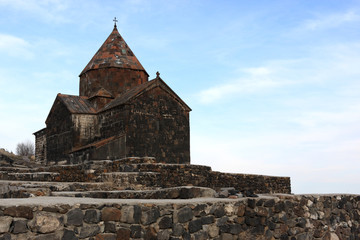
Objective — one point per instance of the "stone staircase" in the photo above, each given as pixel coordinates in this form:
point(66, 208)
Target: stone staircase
point(140, 178)
point(129, 178)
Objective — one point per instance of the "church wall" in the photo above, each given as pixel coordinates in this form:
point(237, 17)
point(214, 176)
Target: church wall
point(59, 133)
point(86, 129)
point(116, 149)
point(40, 146)
point(112, 122)
point(158, 127)
point(114, 80)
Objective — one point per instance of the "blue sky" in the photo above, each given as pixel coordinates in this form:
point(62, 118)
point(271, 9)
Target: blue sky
point(274, 85)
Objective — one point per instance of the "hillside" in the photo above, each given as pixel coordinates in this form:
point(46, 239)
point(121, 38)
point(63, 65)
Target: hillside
point(10, 159)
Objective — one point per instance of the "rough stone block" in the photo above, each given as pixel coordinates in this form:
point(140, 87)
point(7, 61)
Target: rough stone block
point(201, 235)
point(218, 211)
point(195, 225)
point(5, 222)
point(105, 236)
point(165, 222)
point(111, 214)
point(261, 211)
point(235, 229)
point(150, 216)
point(127, 214)
point(136, 231)
point(123, 234)
point(6, 236)
point(69, 235)
point(89, 231)
point(269, 203)
point(199, 210)
point(241, 210)
point(75, 217)
point(227, 236)
point(44, 222)
point(92, 216)
point(19, 211)
point(184, 215)
point(213, 231)
point(110, 227)
point(178, 229)
point(52, 236)
point(150, 234)
point(19, 226)
point(164, 235)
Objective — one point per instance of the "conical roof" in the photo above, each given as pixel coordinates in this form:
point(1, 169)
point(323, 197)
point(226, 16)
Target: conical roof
point(114, 53)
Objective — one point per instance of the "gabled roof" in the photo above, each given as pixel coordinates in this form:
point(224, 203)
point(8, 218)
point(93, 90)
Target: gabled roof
point(74, 104)
point(102, 92)
point(140, 89)
point(77, 104)
point(81, 104)
point(114, 53)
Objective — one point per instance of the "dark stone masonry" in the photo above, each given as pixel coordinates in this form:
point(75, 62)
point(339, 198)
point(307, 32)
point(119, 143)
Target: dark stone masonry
point(114, 164)
point(292, 217)
point(129, 174)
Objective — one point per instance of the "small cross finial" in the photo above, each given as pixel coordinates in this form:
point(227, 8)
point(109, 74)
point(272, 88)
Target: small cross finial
point(157, 74)
point(115, 21)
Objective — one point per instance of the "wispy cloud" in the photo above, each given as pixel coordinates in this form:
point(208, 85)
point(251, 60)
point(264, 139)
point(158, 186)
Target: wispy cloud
point(49, 10)
point(333, 66)
point(331, 21)
point(255, 79)
point(15, 47)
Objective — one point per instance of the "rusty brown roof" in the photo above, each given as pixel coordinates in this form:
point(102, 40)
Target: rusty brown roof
point(138, 90)
point(114, 53)
point(77, 104)
point(102, 93)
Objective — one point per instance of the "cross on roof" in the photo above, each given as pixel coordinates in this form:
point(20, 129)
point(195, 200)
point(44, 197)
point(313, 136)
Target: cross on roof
point(115, 21)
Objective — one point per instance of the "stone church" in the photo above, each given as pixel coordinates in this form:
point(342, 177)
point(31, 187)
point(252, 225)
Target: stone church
point(119, 113)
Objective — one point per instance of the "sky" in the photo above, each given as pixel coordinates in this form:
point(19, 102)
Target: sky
point(274, 86)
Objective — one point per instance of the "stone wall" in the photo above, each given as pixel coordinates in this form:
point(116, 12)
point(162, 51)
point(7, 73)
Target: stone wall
point(114, 80)
point(159, 127)
point(168, 175)
point(59, 131)
point(112, 122)
point(40, 146)
point(85, 129)
point(155, 124)
point(111, 148)
point(329, 217)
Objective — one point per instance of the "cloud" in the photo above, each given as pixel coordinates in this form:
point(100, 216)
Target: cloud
point(15, 46)
point(331, 21)
point(322, 155)
point(48, 10)
point(308, 129)
point(256, 79)
point(333, 66)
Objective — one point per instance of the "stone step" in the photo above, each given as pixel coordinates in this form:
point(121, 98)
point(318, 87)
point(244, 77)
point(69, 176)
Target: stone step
point(130, 180)
point(183, 192)
point(29, 176)
point(95, 164)
point(24, 189)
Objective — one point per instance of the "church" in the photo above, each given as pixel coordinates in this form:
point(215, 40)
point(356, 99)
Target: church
point(119, 113)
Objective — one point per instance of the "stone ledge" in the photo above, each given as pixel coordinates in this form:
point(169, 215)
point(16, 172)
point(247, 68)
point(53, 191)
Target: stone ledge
point(167, 193)
point(52, 201)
